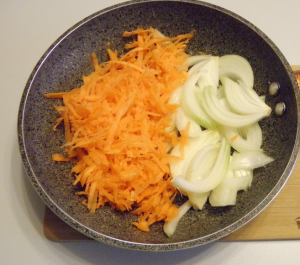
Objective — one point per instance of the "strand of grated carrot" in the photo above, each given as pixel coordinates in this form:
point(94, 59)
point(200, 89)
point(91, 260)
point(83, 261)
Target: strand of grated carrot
point(115, 128)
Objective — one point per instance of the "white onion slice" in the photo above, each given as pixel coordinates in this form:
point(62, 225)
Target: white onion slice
point(243, 100)
point(252, 133)
point(202, 162)
point(222, 196)
point(236, 68)
point(239, 183)
point(198, 200)
point(239, 143)
point(174, 99)
point(192, 60)
point(222, 115)
point(225, 193)
point(182, 120)
point(170, 227)
point(249, 160)
point(213, 179)
point(205, 72)
point(206, 137)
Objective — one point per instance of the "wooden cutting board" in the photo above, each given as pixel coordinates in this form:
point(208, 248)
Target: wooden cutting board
point(280, 220)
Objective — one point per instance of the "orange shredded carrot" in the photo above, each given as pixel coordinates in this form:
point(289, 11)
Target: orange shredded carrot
point(58, 157)
point(115, 127)
point(55, 95)
point(234, 137)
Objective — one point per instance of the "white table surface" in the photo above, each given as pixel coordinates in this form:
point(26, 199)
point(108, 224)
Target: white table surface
point(27, 29)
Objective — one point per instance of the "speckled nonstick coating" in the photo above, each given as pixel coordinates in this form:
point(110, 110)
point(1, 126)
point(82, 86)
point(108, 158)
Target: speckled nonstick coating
point(217, 32)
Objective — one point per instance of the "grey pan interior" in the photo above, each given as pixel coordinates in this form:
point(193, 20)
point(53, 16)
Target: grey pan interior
point(217, 32)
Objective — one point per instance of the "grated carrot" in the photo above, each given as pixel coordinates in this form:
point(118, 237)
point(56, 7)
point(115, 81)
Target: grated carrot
point(55, 95)
point(115, 127)
point(234, 137)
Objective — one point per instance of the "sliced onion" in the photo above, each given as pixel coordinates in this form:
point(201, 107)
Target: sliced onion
point(225, 193)
point(213, 179)
point(249, 160)
point(204, 72)
point(170, 227)
point(222, 115)
point(252, 95)
point(202, 162)
point(222, 196)
point(233, 110)
point(252, 133)
point(182, 120)
point(239, 183)
point(211, 75)
point(198, 200)
point(241, 99)
point(198, 67)
point(237, 141)
point(236, 68)
point(175, 98)
point(206, 137)
point(192, 60)
point(200, 166)
point(191, 106)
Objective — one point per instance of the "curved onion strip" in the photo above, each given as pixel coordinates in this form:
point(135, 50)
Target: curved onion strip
point(252, 133)
point(202, 162)
point(180, 167)
point(170, 227)
point(206, 137)
point(222, 195)
point(213, 179)
point(192, 60)
point(242, 101)
point(222, 115)
point(198, 199)
point(237, 141)
point(249, 160)
point(188, 102)
point(182, 120)
point(237, 68)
